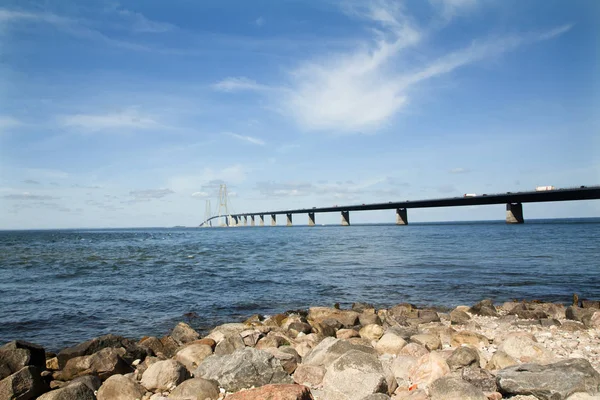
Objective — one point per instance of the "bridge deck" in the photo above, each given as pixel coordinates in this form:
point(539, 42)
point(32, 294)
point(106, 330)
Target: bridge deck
point(581, 193)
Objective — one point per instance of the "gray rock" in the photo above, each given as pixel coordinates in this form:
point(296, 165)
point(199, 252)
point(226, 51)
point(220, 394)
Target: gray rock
point(119, 387)
point(164, 375)
point(24, 384)
point(183, 333)
point(459, 317)
point(549, 382)
point(133, 351)
point(13, 360)
point(196, 389)
point(287, 356)
point(329, 349)
point(37, 354)
point(462, 357)
point(485, 308)
point(480, 378)
point(192, 355)
point(76, 391)
point(454, 388)
point(229, 345)
point(104, 363)
point(426, 316)
point(309, 375)
point(377, 396)
point(579, 314)
point(524, 349)
point(353, 376)
point(368, 317)
point(91, 381)
point(405, 332)
point(243, 369)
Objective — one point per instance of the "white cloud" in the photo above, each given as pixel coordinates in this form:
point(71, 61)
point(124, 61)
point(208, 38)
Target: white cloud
point(260, 21)
point(125, 119)
point(361, 90)
point(459, 170)
point(208, 180)
point(141, 24)
point(7, 122)
point(235, 84)
point(451, 8)
point(149, 194)
point(249, 139)
point(28, 196)
point(200, 195)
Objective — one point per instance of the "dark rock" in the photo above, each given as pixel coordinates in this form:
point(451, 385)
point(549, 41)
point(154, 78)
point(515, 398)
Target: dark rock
point(454, 388)
point(546, 322)
point(76, 391)
point(13, 360)
point(37, 354)
point(578, 313)
point(369, 317)
point(322, 329)
point(183, 333)
point(591, 304)
point(462, 357)
point(459, 317)
point(404, 332)
point(480, 378)
point(24, 384)
point(103, 363)
point(300, 327)
point(485, 308)
point(426, 316)
point(91, 381)
point(361, 307)
point(243, 369)
point(132, 350)
point(549, 382)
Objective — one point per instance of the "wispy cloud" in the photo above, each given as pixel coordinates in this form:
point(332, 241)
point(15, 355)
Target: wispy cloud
point(201, 195)
point(28, 196)
point(31, 182)
point(7, 122)
point(248, 139)
point(149, 194)
point(260, 21)
point(361, 90)
point(235, 84)
point(141, 24)
point(96, 122)
point(459, 170)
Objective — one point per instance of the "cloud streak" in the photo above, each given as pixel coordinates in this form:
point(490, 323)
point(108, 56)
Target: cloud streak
point(117, 120)
point(248, 139)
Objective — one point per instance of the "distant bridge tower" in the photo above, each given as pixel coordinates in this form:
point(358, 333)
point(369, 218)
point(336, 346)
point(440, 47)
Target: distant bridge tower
point(208, 213)
point(223, 207)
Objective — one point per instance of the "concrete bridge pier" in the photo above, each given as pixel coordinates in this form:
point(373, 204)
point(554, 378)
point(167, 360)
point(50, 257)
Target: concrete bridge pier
point(345, 218)
point(252, 223)
point(289, 219)
point(401, 216)
point(261, 220)
point(311, 219)
point(245, 220)
point(236, 220)
point(273, 219)
point(514, 213)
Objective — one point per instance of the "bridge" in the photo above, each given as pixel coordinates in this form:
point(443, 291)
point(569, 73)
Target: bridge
point(514, 206)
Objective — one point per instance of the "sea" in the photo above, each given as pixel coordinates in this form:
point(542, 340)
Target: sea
point(61, 287)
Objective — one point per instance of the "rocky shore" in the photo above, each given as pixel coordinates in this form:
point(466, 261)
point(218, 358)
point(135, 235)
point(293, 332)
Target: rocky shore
point(517, 350)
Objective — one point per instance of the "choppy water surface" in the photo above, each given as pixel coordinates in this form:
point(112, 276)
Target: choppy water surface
point(58, 288)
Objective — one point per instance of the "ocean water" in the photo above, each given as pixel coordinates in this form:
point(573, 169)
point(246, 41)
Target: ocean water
point(59, 288)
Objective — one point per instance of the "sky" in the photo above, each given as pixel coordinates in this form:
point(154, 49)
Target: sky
point(133, 113)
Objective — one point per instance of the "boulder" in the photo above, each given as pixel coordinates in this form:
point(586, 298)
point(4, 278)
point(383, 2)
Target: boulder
point(222, 331)
point(309, 375)
point(579, 314)
point(164, 375)
point(485, 308)
point(250, 337)
point(524, 349)
point(287, 356)
point(401, 367)
point(427, 316)
point(196, 389)
point(470, 338)
point(414, 349)
point(371, 332)
point(119, 387)
point(377, 396)
point(368, 317)
point(243, 369)
point(24, 384)
point(76, 391)
point(192, 355)
point(345, 317)
point(13, 360)
point(133, 351)
point(154, 345)
point(103, 363)
point(459, 317)
point(230, 344)
point(390, 343)
point(463, 357)
point(183, 333)
point(354, 375)
point(328, 350)
point(594, 320)
point(405, 332)
point(429, 367)
point(480, 378)
point(454, 388)
point(501, 360)
point(91, 381)
point(346, 333)
point(431, 342)
point(36, 354)
point(274, 392)
point(550, 382)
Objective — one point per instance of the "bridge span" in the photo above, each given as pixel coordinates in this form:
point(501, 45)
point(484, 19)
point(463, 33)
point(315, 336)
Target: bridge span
point(514, 206)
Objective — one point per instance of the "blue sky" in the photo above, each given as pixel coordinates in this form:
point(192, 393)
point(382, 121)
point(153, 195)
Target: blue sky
point(131, 113)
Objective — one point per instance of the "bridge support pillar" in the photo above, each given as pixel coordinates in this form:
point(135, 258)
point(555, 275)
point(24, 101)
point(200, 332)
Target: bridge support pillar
point(311, 219)
point(261, 220)
point(236, 220)
point(345, 218)
point(514, 213)
point(401, 216)
point(245, 220)
point(273, 219)
point(289, 220)
point(252, 223)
